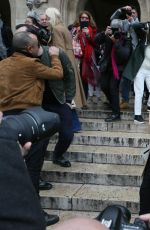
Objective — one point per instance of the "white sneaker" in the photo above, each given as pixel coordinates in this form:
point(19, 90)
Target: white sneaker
point(138, 119)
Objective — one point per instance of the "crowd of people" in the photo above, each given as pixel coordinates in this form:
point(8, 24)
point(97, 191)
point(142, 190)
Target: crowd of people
point(60, 69)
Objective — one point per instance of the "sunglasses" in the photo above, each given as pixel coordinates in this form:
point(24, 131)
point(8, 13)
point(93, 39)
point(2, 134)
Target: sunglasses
point(84, 17)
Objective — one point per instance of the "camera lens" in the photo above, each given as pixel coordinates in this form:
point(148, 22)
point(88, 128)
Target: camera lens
point(33, 124)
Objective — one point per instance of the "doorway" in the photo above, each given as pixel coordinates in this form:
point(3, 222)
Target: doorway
point(101, 10)
point(5, 12)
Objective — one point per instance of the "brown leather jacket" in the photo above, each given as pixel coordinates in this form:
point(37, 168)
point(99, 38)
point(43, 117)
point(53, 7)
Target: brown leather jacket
point(22, 80)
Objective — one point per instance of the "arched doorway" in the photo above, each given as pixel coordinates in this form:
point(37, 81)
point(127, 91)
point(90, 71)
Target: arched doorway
point(5, 11)
point(102, 10)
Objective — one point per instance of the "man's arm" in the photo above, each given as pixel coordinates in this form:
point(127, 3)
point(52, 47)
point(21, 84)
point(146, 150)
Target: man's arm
point(44, 72)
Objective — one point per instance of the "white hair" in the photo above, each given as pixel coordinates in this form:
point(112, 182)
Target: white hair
point(116, 23)
point(54, 15)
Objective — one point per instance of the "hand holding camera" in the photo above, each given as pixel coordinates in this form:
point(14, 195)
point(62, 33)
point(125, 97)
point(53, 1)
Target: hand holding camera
point(117, 217)
point(127, 8)
point(85, 30)
point(108, 31)
point(84, 25)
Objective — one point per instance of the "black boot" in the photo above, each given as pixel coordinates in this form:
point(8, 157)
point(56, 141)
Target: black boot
point(44, 185)
point(113, 117)
point(61, 161)
point(50, 219)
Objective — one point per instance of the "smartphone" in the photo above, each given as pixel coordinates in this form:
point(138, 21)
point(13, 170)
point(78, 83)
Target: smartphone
point(84, 24)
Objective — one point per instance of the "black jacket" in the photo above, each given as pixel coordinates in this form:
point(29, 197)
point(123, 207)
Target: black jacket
point(19, 205)
point(123, 49)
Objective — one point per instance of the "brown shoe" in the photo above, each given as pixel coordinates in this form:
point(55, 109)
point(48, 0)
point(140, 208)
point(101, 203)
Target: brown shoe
point(124, 105)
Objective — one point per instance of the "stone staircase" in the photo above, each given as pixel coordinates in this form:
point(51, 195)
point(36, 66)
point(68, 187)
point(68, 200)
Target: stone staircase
point(107, 164)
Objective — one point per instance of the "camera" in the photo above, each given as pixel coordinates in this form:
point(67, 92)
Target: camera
point(125, 13)
point(84, 24)
point(116, 27)
point(33, 124)
point(117, 217)
point(44, 35)
point(117, 34)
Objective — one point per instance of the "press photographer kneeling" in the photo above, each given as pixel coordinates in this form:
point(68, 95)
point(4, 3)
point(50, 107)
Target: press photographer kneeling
point(20, 205)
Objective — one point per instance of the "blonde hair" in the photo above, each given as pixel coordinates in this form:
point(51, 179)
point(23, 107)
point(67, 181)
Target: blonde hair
point(54, 15)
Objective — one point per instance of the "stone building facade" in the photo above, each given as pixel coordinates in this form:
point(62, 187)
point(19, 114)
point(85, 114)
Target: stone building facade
point(15, 11)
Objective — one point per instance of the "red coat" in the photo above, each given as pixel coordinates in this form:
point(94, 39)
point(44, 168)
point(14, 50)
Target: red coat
point(87, 46)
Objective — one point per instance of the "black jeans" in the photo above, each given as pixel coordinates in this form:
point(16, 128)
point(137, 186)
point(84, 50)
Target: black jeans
point(145, 191)
point(66, 127)
point(35, 157)
point(110, 87)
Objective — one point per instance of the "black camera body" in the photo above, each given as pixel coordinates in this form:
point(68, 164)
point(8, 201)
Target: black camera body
point(125, 13)
point(116, 32)
point(33, 124)
point(84, 24)
point(117, 217)
point(44, 35)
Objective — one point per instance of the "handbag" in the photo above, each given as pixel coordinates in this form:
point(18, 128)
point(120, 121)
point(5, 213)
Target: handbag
point(77, 48)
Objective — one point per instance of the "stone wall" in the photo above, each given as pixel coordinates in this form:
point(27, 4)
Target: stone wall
point(68, 8)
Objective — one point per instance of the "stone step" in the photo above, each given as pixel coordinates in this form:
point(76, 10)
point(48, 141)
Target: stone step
point(66, 215)
point(119, 139)
point(85, 197)
point(101, 154)
point(102, 113)
point(89, 124)
point(92, 173)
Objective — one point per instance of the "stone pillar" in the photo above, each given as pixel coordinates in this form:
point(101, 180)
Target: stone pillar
point(18, 12)
point(145, 10)
point(70, 9)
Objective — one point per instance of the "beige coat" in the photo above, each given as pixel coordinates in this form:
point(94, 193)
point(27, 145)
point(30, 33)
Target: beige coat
point(62, 39)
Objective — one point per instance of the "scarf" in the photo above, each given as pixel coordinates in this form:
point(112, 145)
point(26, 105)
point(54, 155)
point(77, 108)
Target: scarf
point(114, 65)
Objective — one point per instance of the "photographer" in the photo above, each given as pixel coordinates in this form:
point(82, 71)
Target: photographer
point(20, 207)
point(26, 90)
point(116, 49)
point(45, 29)
point(138, 69)
point(129, 16)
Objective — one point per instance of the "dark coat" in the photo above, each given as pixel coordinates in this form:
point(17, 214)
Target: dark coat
point(123, 50)
point(135, 62)
point(65, 89)
point(19, 205)
point(7, 37)
point(138, 54)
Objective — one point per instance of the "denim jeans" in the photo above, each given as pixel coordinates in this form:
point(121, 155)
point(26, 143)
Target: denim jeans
point(125, 89)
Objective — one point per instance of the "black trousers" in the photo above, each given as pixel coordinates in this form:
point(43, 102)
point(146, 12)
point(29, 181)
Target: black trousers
point(110, 87)
point(66, 127)
point(145, 191)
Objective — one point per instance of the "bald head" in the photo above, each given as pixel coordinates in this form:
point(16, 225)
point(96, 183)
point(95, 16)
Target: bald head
point(80, 224)
point(23, 39)
point(26, 42)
